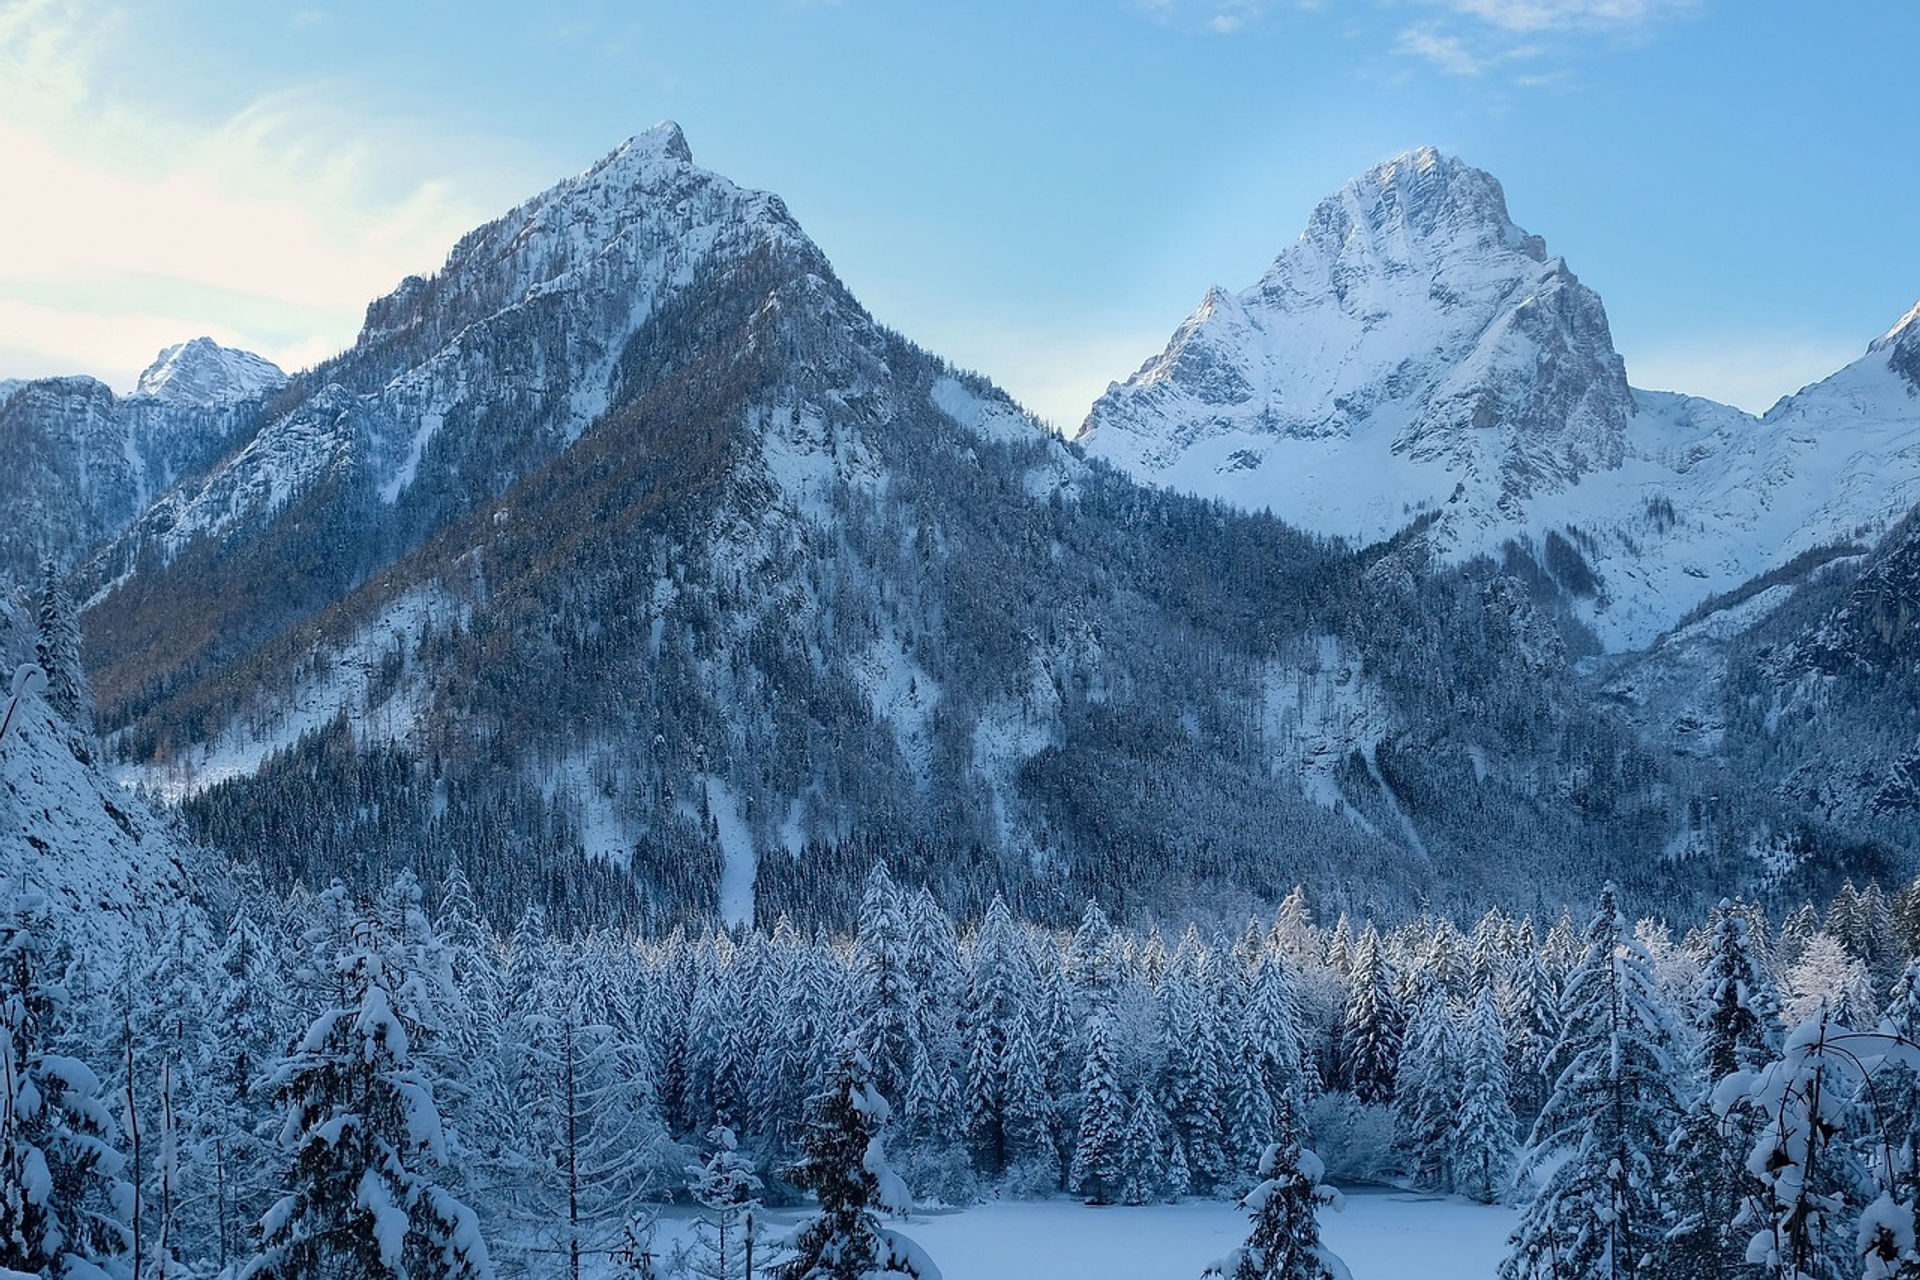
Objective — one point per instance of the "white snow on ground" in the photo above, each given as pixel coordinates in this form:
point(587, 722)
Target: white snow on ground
point(739, 862)
point(1382, 1235)
point(903, 695)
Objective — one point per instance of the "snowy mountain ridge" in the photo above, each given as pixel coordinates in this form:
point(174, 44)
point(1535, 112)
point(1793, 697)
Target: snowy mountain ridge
point(1416, 353)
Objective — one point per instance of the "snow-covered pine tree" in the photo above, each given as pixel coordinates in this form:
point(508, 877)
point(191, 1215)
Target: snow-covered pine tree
point(1602, 1136)
point(1809, 1185)
point(1482, 1140)
point(1827, 975)
point(1194, 1071)
point(887, 1005)
point(1033, 1161)
point(62, 1202)
point(1737, 1014)
point(1251, 1106)
point(1896, 1095)
point(1091, 962)
point(246, 1035)
point(1272, 1025)
point(728, 1191)
point(1284, 1243)
point(1529, 1002)
point(781, 1082)
point(57, 650)
point(1427, 1089)
point(845, 1166)
point(934, 1156)
point(1371, 1029)
point(1143, 1151)
point(168, 1035)
point(1000, 988)
point(1096, 1172)
point(361, 1137)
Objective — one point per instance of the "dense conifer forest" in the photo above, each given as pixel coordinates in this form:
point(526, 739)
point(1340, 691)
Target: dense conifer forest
point(297, 1083)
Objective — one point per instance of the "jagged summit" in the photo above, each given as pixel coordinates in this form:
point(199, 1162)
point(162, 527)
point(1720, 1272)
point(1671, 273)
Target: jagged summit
point(1411, 347)
point(1404, 215)
point(202, 372)
point(666, 140)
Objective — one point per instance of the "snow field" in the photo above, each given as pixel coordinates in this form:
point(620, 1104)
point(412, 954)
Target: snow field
point(1382, 1235)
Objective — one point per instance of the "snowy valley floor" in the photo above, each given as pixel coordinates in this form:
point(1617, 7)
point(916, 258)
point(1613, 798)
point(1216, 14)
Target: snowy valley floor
point(1382, 1234)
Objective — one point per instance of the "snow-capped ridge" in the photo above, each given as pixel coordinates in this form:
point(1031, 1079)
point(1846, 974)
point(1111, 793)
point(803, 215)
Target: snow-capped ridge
point(202, 372)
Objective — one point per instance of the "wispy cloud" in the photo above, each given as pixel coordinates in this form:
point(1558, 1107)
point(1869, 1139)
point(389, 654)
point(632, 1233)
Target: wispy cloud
point(1223, 17)
point(1471, 37)
point(290, 212)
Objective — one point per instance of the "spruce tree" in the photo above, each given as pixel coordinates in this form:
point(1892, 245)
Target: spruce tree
point(1601, 1138)
point(727, 1190)
point(1427, 1092)
point(1482, 1139)
point(1284, 1243)
point(1096, 1169)
point(362, 1137)
point(845, 1167)
point(1737, 1015)
point(1809, 1184)
point(61, 1194)
point(1143, 1151)
point(1371, 1029)
point(57, 650)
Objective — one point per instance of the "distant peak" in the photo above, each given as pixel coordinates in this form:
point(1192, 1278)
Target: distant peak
point(201, 371)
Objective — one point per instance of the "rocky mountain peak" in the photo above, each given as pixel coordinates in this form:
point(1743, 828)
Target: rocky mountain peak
point(1902, 345)
point(202, 372)
point(1413, 212)
point(1412, 350)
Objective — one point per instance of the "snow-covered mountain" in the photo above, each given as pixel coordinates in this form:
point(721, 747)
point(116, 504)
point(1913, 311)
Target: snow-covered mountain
point(1415, 354)
point(78, 463)
point(628, 559)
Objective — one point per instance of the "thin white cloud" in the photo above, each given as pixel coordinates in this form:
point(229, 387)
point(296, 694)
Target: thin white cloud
point(1529, 16)
point(1222, 17)
point(1450, 53)
point(294, 203)
point(1470, 37)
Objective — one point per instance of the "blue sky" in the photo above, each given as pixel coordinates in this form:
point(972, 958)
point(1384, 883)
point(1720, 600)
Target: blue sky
point(1041, 191)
